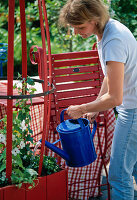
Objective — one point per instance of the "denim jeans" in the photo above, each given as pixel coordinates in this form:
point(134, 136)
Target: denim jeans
point(123, 161)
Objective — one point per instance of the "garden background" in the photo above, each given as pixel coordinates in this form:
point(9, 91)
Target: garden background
point(62, 40)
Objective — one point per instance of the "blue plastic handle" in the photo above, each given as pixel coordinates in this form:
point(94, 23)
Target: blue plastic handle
point(62, 115)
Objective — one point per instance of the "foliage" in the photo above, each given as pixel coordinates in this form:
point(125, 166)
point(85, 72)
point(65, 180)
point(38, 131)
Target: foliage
point(62, 39)
point(32, 29)
point(126, 12)
point(24, 162)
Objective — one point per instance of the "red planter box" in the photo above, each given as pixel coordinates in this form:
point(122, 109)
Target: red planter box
point(57, 187)
point(12, 192)
point(51, 187)
point(39, 192)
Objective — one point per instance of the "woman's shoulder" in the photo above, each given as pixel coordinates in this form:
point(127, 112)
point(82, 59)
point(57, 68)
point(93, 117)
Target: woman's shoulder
point(114, 30)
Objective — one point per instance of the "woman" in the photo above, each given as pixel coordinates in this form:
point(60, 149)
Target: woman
point(117, 50)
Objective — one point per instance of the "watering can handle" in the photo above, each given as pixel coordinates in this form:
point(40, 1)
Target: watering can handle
point(80, 122)
point(62, 115)
point(82, 125)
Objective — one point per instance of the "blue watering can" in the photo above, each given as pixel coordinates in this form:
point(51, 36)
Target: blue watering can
point(77, 141)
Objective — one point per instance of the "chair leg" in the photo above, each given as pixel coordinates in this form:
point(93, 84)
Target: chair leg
point(109, 197)
point(104, 164)
point(108, 185)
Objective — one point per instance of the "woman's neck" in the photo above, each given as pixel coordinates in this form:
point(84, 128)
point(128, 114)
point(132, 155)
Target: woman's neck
point(99, 37)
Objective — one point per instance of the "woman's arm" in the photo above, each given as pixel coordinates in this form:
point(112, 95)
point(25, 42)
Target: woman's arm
point(91, 116)
point(104, 88)
point(111, 93)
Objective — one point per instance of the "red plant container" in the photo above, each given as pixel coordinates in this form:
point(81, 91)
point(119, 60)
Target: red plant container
point(51, 187)
point(57, 186)
point(39, 191)
point(12, 192)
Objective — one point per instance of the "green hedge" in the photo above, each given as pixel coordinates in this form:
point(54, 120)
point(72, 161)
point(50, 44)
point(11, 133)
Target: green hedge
point(62, 40)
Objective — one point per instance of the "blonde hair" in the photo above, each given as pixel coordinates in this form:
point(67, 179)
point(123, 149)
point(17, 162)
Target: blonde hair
point(77, 12)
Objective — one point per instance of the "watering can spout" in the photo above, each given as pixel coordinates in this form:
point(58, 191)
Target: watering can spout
point(58, 151)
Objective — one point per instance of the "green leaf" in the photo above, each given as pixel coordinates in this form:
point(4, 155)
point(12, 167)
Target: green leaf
point(15, 86)
point(31, 172)
point(3, 167)
point(19, 185)
point(33, 90)
point(30, 81)
point(30, 130)
point(3, 155)
point(18, 160)
point(29, 138)
point(23, 110)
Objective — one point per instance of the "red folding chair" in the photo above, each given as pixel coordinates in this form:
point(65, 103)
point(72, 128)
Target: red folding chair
point(77, 77)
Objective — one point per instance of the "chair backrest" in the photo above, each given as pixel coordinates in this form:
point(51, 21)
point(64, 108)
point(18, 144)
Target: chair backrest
point(77, 77)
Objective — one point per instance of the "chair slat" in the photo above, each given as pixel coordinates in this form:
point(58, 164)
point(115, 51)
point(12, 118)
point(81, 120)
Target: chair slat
point(76, 101)
point(75, 70)
point(70, 55)
point(78, 93)
point(84, 61)
point(77, 77)
point(89, 83)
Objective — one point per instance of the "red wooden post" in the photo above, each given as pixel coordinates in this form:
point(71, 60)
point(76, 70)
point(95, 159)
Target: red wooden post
point(23, 37)
point(50, 62)
point(45, 129)
point(10, 69)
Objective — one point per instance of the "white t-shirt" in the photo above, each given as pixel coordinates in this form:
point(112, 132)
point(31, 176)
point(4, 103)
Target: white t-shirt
point(118, 44)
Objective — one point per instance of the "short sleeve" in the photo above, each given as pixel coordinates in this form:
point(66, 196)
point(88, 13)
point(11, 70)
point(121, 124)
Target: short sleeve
point(115, 50)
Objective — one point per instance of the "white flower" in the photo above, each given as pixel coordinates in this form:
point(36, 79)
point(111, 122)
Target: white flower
point(22, 144)
point(2, 139)
point(3, 176)
point(15, 151)
point(24, 157)
point(13, 161)
point(13, 137)
point(23, 126)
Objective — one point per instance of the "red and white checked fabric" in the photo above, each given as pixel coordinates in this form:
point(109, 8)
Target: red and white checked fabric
point(2, 114)
point(37, 113)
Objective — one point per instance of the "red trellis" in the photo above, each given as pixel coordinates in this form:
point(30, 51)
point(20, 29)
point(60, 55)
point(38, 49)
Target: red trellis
point(49, 71)
point(10, 72)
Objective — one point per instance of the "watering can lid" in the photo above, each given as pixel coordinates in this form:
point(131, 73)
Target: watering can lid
point(69, 125)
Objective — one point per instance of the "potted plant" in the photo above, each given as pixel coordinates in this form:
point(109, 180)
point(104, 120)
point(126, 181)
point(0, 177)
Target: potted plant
point(25, 183)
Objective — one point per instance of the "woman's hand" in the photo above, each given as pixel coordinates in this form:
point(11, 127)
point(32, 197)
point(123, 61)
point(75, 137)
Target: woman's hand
point(91, 116)
point(77, 111)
